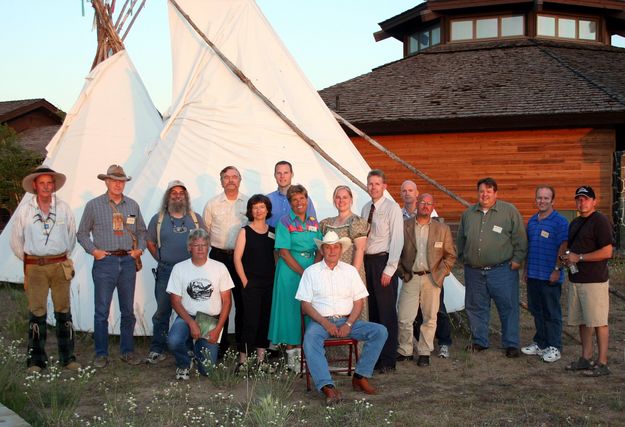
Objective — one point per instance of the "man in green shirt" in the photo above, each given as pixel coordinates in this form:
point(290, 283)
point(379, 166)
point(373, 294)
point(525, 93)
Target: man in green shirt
point(492, 244)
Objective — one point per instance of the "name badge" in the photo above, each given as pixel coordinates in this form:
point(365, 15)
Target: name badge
point(497, 229)
point(544, 234)
point(271, 235)
point(438, 244)
point(130, 220)
point(60, 222)
point(312, 228)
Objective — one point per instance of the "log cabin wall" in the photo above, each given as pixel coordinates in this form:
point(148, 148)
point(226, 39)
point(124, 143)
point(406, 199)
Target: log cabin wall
point(517, 160)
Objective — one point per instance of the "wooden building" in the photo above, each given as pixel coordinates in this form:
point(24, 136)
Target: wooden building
point(527, 92)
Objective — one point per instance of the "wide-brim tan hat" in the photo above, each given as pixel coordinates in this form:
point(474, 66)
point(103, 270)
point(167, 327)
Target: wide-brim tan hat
point(332, 238)
point(27, 182)
point(115, 172)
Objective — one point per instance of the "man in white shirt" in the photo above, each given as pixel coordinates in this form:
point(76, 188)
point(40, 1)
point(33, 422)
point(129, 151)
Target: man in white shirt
point(197, 285)
point(43, 236)
point(332, 295)
point(224, 215)
point(384, 245)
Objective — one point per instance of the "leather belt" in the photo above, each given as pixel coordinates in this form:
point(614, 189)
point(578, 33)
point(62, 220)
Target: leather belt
point(118, 252)
point(420, 273)
point(337, 316)
point(228, 252)
point(490, 267)
point(377, 255)
point(44, 260)
point(307, 254)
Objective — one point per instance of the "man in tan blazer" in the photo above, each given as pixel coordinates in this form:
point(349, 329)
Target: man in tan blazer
point(427, 257)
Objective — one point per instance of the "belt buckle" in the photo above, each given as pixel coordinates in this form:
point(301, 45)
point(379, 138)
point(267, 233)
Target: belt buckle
point(41, 261)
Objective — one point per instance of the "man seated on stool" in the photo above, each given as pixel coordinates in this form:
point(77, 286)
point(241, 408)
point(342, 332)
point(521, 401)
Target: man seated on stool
point(332, 295)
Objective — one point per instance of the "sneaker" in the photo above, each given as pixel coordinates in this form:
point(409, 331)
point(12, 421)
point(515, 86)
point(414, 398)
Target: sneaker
point(551, 354)
point(72, 366)
point(154, 357)
point(532, 350)
point(443, 351)
point(100, 361)
point(182, 374)
point(130, 358)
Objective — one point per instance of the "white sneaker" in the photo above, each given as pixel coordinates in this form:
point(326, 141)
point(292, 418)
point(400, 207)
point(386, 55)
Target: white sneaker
point(182, 374)
point(443, 352)
point(551, 355)
point(532, 350)
point(155, 357)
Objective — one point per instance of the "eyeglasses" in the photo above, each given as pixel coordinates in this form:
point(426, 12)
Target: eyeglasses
point(425, 204)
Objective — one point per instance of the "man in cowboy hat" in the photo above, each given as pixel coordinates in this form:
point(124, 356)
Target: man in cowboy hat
point(332, 295)
point(112, 230)
point(43, 235)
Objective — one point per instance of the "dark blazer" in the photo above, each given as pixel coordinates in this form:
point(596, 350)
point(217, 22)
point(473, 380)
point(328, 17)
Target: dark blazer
point(441, 254)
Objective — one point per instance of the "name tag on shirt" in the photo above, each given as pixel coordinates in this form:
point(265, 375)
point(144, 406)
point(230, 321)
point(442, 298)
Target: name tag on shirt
point(271, 235)
point(130, 220)
point(312, 228)
point(497, 229)
point(438, 244)
point(60, 222)
point(544, 234)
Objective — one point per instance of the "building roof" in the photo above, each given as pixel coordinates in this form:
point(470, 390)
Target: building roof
point(38, 138)
point(490, 85)
point(9, 110)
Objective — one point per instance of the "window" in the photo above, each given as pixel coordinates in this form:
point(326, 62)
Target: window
point(566, 27)
point(424, 39)
point(487, 28)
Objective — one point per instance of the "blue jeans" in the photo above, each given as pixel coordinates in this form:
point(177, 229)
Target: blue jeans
point(543, 301)
point(180, 343)
point(110, 273)
point(502, 285)
point(372, 334)
point(160, 320)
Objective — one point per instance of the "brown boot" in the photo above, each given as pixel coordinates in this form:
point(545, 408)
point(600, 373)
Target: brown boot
point(333, 396)
point(362, 384)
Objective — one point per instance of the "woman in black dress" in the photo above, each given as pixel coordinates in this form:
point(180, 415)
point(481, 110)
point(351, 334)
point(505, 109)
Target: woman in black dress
point(255, 264)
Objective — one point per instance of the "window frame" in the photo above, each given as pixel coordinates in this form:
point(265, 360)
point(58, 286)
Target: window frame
point(577, 19)
point(475, 19)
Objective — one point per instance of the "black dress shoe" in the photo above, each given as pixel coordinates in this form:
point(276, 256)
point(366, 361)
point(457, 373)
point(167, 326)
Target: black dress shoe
point(475, 348)
point(512, 352)
point(402, 358)
point(385, 369)
point(423, 361)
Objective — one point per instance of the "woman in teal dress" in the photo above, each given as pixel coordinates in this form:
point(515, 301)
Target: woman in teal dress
point(297, 250)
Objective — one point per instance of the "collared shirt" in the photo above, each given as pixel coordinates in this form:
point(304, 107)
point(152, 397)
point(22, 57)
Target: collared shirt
point(421, 233)
point(387, 231)
point(174, 234)
point(408, 214)
point(491, 238)
point(38, 234)
point(224, 219)
point(544, 238)
point(96, 225)
point(280, 206)
point(331, 291)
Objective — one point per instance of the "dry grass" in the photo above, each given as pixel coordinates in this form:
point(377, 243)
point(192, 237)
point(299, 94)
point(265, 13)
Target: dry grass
point(467, 389)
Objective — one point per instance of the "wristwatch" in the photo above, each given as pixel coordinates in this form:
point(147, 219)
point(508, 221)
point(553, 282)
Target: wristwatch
point(348, 324)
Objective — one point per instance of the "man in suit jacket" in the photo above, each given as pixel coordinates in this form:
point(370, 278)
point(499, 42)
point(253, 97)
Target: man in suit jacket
point(427, 257)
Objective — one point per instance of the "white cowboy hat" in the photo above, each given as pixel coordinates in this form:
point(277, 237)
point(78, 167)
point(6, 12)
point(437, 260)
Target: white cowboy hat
point(332, 238)
point(27, 182)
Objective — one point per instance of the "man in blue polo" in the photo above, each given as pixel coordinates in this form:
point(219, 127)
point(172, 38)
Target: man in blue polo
point(547, 234)
point(280, 206)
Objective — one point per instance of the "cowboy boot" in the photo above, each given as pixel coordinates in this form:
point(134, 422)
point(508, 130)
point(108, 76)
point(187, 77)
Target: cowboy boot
point(65, 339)
point(37, 334)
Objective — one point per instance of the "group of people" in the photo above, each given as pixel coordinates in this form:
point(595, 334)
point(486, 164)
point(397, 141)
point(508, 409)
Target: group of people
point(270, 258)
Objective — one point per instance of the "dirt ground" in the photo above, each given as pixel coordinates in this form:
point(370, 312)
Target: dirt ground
point(467, 389)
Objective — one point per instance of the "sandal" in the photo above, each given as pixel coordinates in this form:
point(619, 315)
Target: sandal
point(580, 364)
point(598, 370)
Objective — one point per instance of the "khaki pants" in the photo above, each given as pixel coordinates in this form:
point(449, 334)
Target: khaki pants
point(44, 278)
point(418, 291)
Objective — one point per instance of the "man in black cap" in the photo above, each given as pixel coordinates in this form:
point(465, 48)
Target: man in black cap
point(589, 249)
point(43, 235)
point(112, 230)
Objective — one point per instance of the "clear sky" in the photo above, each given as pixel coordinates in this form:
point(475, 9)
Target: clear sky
point(48, 46)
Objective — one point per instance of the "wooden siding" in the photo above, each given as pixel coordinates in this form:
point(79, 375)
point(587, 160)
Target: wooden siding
point(517, 160)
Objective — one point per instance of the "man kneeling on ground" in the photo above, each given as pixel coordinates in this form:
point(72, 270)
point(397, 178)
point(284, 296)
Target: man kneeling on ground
point(197, 285)
point(332, 295)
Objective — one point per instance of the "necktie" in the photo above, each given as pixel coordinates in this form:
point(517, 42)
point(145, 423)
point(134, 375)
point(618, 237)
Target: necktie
point(370, 218)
